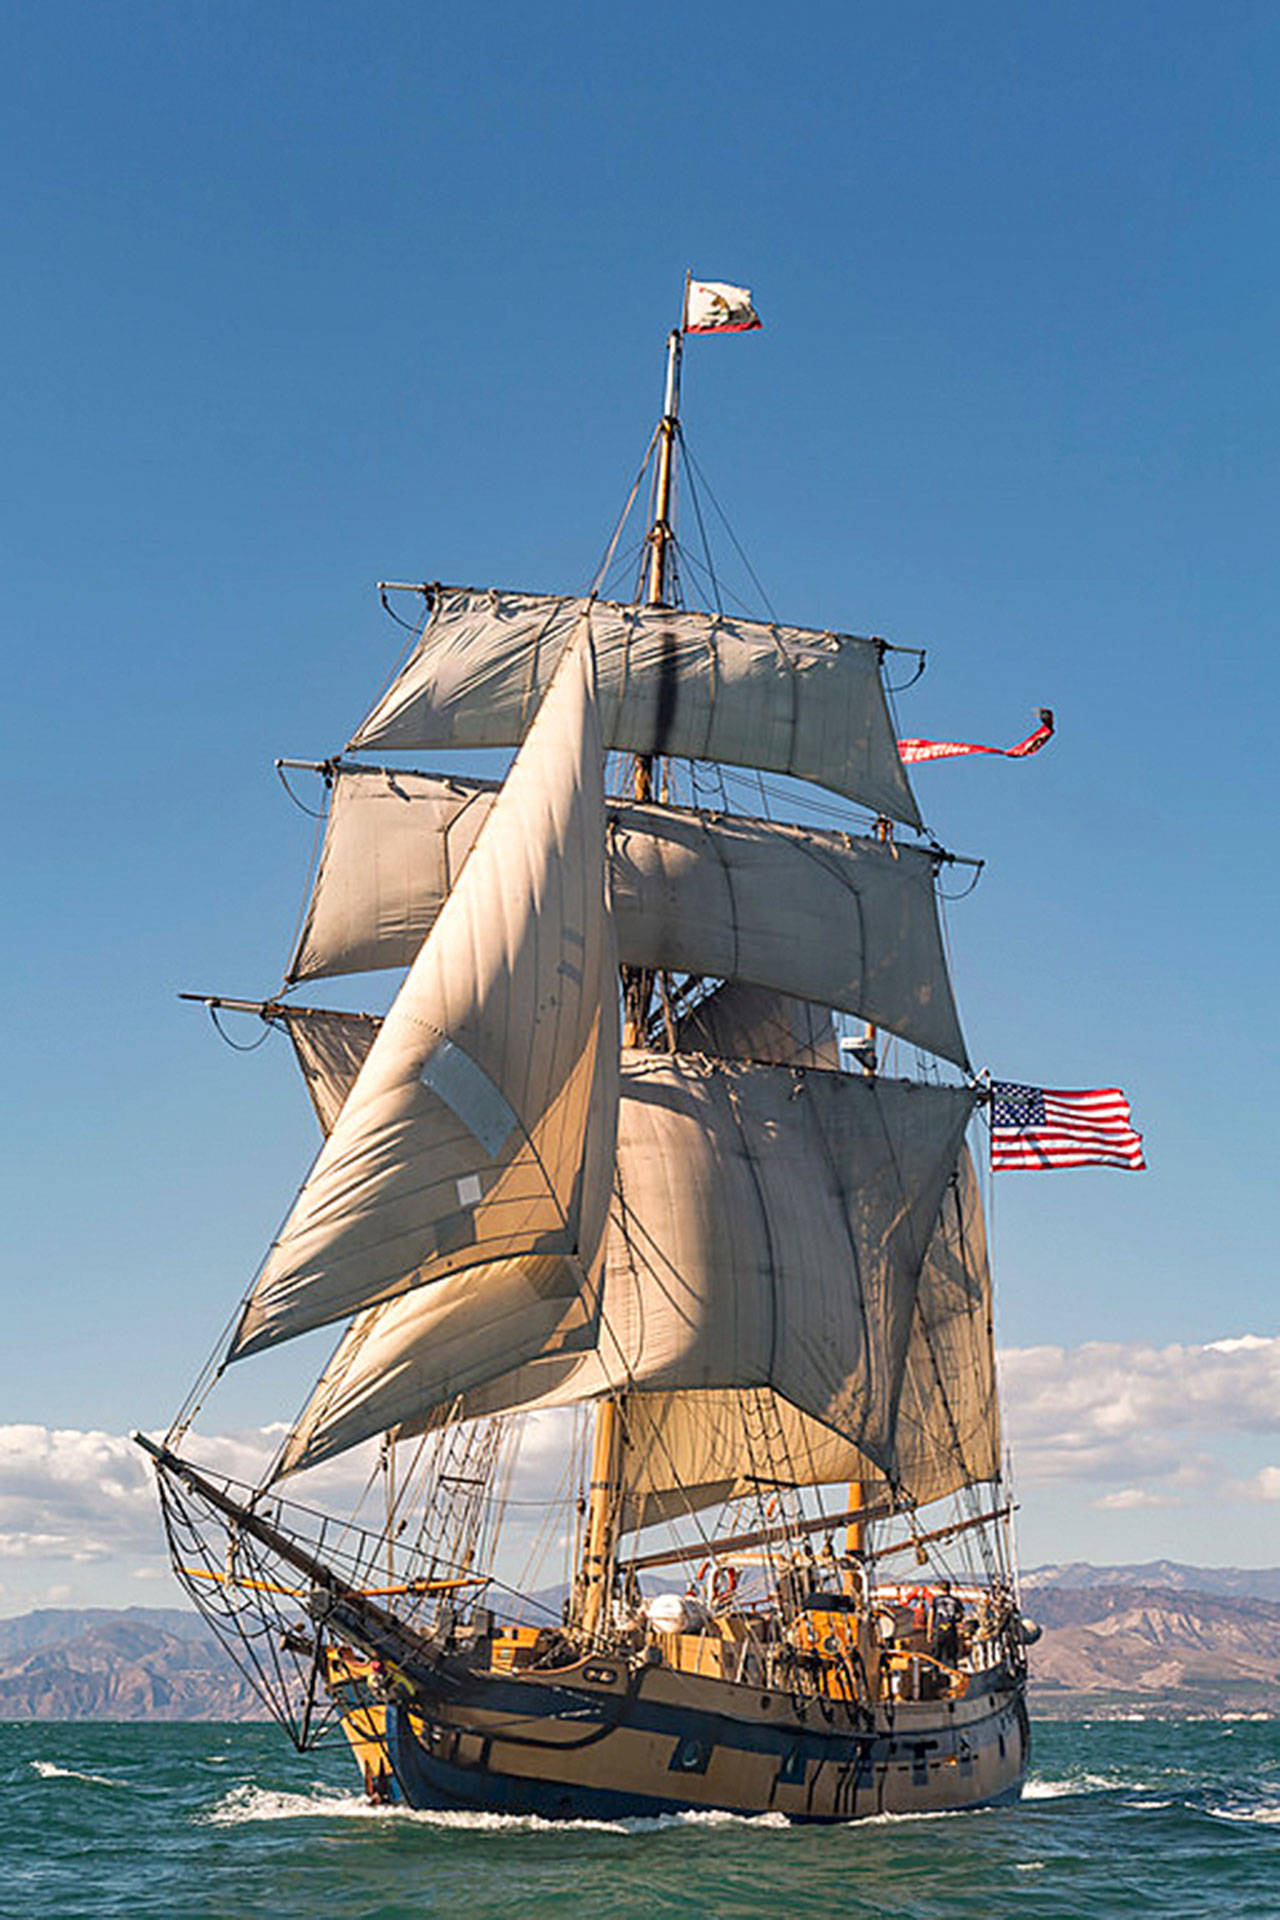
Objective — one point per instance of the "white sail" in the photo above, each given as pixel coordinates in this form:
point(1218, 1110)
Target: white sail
point(839, 919)
point(698, 685)
point(769, 1229)
point(742, 1023)
point(395, 843)
point(482, 1122)
point(751, 1023)
point(422, 1354)
point(331, 1048)
point(691, 1450)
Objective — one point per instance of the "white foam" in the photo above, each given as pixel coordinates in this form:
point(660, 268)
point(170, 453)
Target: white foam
point(248, 1803)
point(1246, 1816)
point(1064, 1789)
point(941, 1813)
point(49, 1770)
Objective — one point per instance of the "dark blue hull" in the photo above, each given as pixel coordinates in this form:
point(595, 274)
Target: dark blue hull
point(667, 1745)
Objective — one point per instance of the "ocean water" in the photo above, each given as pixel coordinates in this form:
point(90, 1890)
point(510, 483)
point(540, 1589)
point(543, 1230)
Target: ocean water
point(187, 1822)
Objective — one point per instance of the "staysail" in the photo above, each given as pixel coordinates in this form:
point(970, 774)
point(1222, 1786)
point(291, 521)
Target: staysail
point(769, 1229)
point(697, 685)
point(481, 1126)
point(844, 920)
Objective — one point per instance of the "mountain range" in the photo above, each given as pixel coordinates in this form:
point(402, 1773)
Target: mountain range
point(1160, 1639)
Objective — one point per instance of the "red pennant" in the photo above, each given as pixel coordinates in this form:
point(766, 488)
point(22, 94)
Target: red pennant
point(912, 750)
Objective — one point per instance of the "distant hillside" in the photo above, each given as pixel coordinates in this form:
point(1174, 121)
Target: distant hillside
point(1118, 1648)
point(1244, 1583)
point(1156, 1639)
point(140, 1663)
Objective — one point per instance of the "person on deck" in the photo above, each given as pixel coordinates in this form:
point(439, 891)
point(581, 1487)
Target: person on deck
point(947, 1612)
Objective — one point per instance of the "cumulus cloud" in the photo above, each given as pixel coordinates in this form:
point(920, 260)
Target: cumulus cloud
point(72, 1495)
point(1140, 1417)
point(68, 1494)
point(1263, 1485)
point(1136, 1423)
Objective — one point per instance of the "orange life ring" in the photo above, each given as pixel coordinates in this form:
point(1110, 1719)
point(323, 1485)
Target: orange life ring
point(694, 1587)
point(919, 1599)
point(724, 1584)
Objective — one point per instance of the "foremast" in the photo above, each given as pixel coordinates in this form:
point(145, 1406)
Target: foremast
point(605, 1491)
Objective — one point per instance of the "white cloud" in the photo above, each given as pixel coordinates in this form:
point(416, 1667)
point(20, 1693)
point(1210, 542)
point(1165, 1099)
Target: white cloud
point(1263, 1485)
point(1137, 1424)
point(1142, 1417)
point(1126, 1498)
point(67, 1494)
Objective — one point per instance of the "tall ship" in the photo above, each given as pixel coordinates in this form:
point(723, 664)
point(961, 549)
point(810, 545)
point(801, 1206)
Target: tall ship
point(660, 1289)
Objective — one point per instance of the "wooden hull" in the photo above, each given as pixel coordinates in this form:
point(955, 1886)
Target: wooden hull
point(602, 1740)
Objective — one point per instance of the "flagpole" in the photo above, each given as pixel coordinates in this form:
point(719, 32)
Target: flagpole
point(661, 534)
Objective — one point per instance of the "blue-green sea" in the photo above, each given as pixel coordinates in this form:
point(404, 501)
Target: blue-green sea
point(1145, 1818)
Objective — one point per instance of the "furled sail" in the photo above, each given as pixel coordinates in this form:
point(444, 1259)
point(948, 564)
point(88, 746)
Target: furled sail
point(842, 920)
point(698, 685)
point(769, 1229)
point(481, 1126)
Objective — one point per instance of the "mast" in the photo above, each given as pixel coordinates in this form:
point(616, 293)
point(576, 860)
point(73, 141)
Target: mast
point(855, 1534)
point(638, 982)
point(637, 989)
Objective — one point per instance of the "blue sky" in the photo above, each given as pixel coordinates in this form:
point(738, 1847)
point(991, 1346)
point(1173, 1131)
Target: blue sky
point(298, 297)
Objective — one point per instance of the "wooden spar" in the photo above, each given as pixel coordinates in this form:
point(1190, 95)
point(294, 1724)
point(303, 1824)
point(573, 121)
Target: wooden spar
point(855, 1538)
point(661, 533)
point(405, 1588)
point(943, 1533)
point(637, 989)
point(760, 1536)
point(638, 981)
point(597, 1559)
point(825, 1523)
point(383, 1626)
point(278, 1009)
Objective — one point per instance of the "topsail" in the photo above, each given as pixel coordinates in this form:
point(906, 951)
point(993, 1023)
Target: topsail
point(697, 685)
point(844, 920)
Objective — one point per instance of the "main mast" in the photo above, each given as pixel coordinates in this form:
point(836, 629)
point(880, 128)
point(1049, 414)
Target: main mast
point(637, 988)
point(637, 983)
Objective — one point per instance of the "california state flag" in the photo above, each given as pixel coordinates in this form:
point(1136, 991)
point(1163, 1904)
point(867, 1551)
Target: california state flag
point(712, 307)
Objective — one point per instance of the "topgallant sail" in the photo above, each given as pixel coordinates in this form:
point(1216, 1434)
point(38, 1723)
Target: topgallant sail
point(626, 1161)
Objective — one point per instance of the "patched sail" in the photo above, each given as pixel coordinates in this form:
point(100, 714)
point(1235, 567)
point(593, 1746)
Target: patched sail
point(842, 920)
point(481, 1126)
point(702, 686)
point(769, 1229)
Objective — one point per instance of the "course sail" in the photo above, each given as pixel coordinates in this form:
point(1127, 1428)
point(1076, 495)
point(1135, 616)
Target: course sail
point(740, 1190)
point(696, 685)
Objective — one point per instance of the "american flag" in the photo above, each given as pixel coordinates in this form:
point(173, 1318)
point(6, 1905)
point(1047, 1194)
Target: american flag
point(1053, 1127)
